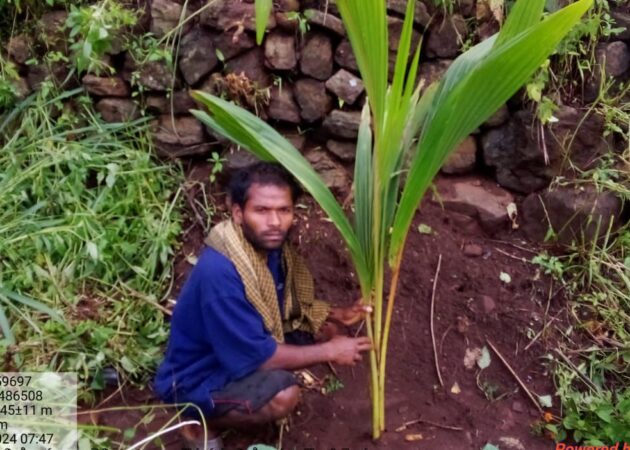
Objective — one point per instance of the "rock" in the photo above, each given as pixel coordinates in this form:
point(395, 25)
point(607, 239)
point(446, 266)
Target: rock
point(317, 57)
point(52, 26)
point(155, 76)
point(574, 215)
point(345, 151)
point(614, 57)
point(282, 105)
point(230, 45)
point(344, 124)
point(421, 14)
point(518, 162)
point(106, 86)
point(334, 175)
point(19, 48)
point(296, 139)
point(179, 136)
point(395, 27)
point(288, 5)
point(252, 65)
point(463, 158)
point(432, 71)
point(473, 250)
point(165, 16)
point(37, 74)
point(313, 99)
point(237, 159)
point(325, 20)
point(181, 103)
point(487, 304)
point(197, 55)
point(622, 21)
point(227, 14)
point(498, 118)
point(280, 51)
point(345, 57)
point(477, 198)
point(345, 86)
point(117, 109)
point(446, 36)
point(22, 88)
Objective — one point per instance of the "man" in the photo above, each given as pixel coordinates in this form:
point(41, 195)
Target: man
point(247, 315)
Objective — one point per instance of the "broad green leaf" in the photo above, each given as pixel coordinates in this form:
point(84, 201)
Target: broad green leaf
point(5, 327)
point(263, 9)
point(461, 106)
point(522, 16)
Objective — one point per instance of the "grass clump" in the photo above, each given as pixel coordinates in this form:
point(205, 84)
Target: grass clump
point(88, 223)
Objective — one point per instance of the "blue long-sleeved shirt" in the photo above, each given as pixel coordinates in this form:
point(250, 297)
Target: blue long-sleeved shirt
point(217, 336)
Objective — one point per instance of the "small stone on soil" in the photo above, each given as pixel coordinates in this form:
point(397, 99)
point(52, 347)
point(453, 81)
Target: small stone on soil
point(473, 250)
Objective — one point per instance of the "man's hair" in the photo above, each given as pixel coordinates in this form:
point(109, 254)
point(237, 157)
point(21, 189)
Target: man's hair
point(264, 173)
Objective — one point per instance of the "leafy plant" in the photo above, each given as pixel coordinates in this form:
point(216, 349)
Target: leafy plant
point(88, 221)
point(398, 124)
point(93, 29)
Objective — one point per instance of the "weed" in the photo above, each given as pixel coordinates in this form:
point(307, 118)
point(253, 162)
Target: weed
point(216, 161)
point(88, 223)
point(332, 384)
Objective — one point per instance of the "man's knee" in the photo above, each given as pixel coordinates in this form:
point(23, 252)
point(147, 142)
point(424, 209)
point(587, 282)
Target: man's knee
point(284, 402)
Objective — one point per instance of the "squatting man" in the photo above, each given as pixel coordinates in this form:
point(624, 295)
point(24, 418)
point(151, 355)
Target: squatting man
point(246, 316)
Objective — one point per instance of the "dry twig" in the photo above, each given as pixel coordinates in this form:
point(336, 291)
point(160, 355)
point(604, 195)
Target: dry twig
point(516, 377)
point(427, 422)
point(435, 280)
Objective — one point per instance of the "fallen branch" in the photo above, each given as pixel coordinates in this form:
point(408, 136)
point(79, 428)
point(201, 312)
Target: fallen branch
point(435, 354)
point(516, 377)
point(427, 422)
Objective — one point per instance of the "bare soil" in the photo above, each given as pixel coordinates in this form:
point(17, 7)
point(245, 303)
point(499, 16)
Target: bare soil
point(473, 307)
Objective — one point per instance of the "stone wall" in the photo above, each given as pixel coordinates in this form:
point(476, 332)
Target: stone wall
point(304, 80)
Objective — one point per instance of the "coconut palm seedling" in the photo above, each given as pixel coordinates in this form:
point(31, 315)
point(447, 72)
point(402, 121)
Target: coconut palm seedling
point(404, 137)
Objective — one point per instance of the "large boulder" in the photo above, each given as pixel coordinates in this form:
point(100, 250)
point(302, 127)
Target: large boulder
point(317, 57)
point(622, 21)
point(313, 99)
point(344, 150)
point(476, 197)
point(197, 56)
point(432, 71)
point(570, 215)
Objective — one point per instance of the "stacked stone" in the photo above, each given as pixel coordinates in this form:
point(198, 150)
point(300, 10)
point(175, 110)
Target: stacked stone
point(307, 85)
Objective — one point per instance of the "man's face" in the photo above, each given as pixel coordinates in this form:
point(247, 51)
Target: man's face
point(267, 215)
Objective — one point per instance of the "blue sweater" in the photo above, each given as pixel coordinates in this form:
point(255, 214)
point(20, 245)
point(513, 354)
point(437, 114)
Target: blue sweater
point(217, 336)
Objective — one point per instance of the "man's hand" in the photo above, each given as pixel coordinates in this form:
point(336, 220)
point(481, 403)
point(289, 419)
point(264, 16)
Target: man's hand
point(350, 315)
point(346, 350)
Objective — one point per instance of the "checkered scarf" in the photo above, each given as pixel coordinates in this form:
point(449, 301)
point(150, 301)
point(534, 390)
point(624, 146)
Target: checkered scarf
point(301, 310)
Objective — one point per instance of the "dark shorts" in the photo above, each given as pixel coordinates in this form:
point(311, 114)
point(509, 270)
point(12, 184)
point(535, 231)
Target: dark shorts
point(248, 394)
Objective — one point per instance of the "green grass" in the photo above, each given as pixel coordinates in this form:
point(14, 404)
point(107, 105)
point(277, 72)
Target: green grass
point(88, 222)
